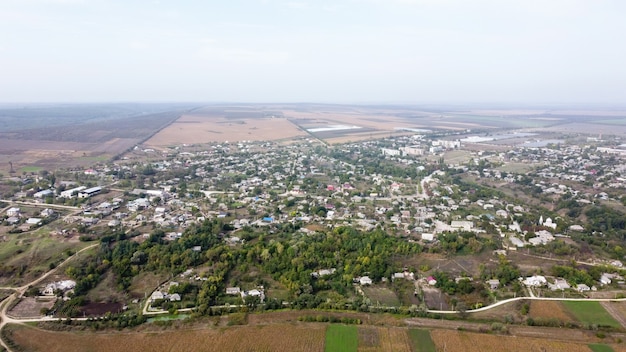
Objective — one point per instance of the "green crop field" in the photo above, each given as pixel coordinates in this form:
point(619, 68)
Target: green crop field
point(340, 338)
point(591, 313)
point(598, 347)
point(421, 340)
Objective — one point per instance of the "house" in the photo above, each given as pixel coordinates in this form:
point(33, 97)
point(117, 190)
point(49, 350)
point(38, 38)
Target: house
point(365, 280)
point(70, 193)
point(535, 281)
point(559, 284)
point(254, 293)
point(156, 295)
point(431, 281)
point(63, 286)
point(494, 284)
point(33, 221)
point(43, 194)
point(582, 288)
point(89, 192)
point(13, 212)
point(428, 237)
point(462, 225)
point(323, 272)
point(13, 220)
point(233, 290)
point(47, 213)
point(175, 297)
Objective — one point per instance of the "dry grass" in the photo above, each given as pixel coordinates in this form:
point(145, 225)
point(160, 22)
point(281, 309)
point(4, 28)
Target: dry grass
point(452, 341)
point(548, 310)
point(280, 337)
point(383, 339)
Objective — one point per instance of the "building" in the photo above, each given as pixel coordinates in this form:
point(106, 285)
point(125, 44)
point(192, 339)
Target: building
point(13, 212)
point(43, 194)
point(89, 192)
point(70, 193)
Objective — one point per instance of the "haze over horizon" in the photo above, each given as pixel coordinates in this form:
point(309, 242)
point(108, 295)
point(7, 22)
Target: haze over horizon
point(349, 51)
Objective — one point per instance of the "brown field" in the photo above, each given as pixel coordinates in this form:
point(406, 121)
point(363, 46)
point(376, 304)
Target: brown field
point(77, 145)
point(200, 128)
point(453, 341)
point(383, 339)
point(280, 337)
point(548, 310)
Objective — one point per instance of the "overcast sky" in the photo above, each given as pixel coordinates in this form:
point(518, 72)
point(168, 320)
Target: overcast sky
point(336, 51)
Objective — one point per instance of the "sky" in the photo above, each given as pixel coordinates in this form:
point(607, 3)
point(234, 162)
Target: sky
point(325, 51)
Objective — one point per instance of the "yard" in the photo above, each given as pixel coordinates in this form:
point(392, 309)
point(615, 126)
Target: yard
point(381, 296)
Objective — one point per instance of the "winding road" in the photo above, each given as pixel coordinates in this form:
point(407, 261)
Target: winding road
point(19, 291)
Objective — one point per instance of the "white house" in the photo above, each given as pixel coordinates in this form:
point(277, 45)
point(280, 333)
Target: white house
point(13, 212)
point(428, 237)
point(365, 280)
point(157, 295)
point(582, 288)
point(535, 281)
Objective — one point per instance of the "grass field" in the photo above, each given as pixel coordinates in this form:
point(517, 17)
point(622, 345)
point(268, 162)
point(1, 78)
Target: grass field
point(598, 347)
point(421, 340)
point(382, 296)
point(341, 338)
point(591, 313)
point(33, 253)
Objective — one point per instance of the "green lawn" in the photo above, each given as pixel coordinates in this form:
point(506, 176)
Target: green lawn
point(598, 347)
point(421, 340)
point(591, 313)
point(341, 338)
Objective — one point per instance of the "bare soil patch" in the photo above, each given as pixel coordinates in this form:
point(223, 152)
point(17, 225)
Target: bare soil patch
point(30, 307)
point(100, 309)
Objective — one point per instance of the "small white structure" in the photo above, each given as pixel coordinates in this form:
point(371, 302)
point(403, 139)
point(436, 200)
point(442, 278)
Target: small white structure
point(323, 272)
point(156, 295)
point(428, 237)
point(43, 194)
point(559, 284)
point(13, 212)
point(535, 281)
point(63, 286)
point(70, 193)
point(90, 192)
point(33, 221)
point(365, 280)
point(494, 284)
point(233, 290)
point(254, 293)
point(543, 237)
point(582, 288)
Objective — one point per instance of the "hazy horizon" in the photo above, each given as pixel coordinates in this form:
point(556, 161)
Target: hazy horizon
point(366, 52)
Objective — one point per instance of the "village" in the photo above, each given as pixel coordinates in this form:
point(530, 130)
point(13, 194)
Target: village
point(514, 211)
